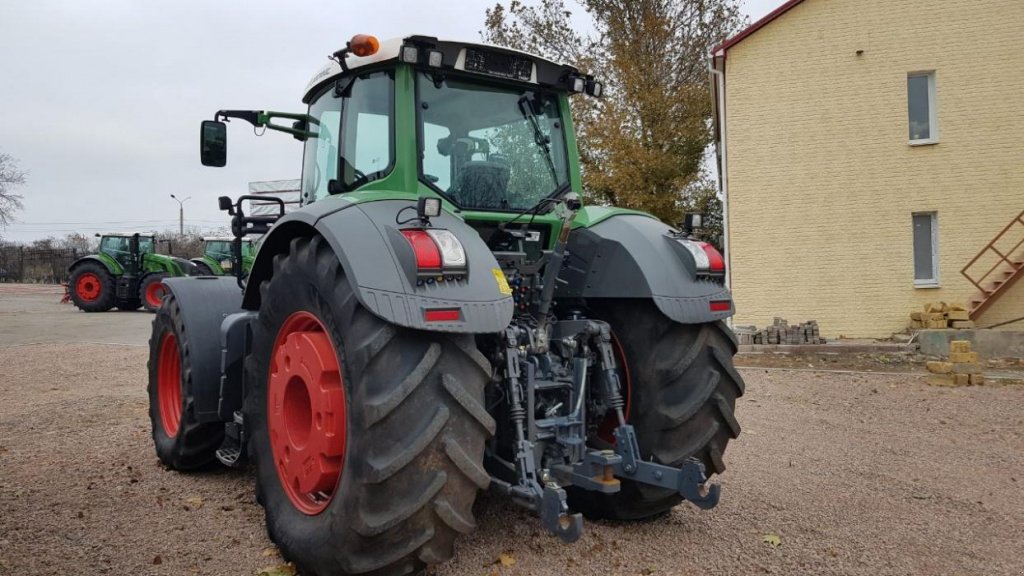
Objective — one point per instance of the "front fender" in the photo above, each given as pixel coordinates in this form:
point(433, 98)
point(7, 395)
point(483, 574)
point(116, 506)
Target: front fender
point(375, 259)
point(633, 256)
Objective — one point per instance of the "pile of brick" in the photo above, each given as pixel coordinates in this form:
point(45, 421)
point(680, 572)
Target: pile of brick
point(939, 316)
point(962, 368)
point(780, 332)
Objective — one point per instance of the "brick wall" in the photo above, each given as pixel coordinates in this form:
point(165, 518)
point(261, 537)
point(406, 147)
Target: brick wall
point(823, 182)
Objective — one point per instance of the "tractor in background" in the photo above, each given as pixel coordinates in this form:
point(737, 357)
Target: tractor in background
point(125, 273)
point(441, 316)
point(218, 257)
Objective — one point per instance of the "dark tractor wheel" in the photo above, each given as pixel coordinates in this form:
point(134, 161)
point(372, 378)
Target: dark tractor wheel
point(682, 389)
point(92, 287)
point(129, 305)
point(368, 439)
point(203, 269)
point(151, 290)
point(182, 442)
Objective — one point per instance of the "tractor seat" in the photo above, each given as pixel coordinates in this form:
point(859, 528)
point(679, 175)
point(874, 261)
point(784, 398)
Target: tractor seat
point(483, 184)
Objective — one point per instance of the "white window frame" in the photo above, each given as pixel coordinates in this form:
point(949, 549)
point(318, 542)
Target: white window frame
point(932, 282)
point(933, 110)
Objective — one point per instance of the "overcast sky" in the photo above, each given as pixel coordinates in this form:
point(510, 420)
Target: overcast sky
point(101, 101)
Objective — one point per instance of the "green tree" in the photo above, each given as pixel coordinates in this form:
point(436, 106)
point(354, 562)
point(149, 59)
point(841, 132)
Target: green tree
point(10, 178)
point(642, 144)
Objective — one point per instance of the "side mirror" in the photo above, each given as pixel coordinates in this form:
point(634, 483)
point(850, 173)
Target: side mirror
point(213, 143)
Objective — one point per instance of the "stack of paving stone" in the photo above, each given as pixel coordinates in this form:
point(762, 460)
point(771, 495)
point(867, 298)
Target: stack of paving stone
point(780, 332)
point(939, 316)
point(961, 369)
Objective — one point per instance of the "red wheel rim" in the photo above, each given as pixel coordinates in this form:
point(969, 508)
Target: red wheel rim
point(606, 431)
point(88, 287)
point(155, 294)
point(306, 417)
point(168, 384)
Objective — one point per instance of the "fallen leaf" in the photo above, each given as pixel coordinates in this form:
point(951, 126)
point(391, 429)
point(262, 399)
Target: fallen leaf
point(774, 539)
point(270, 552)
point(195, 501)
point(282, 570)
point(506, 559)
point(157, 560)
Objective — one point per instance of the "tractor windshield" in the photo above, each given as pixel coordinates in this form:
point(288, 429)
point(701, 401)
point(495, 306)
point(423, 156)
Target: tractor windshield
point(490, 147)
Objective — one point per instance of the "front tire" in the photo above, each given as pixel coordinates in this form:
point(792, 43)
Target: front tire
point(182, 442)
point(152, 290)
point(92, 287)
point(682, 390)
point(396, 417)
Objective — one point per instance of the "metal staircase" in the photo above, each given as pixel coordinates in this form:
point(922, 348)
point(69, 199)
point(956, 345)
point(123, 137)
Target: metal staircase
point(1008, 268)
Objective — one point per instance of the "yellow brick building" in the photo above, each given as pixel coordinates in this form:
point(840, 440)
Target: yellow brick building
point(846, 124)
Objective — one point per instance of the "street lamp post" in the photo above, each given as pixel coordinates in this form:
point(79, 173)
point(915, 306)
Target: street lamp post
point(181, 214)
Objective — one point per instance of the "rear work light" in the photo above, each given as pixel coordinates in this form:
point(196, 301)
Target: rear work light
point(438, 252)
point(709, 261)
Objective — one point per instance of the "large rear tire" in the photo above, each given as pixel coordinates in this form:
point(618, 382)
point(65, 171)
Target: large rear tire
point(182, 442)
point(92, 287)
point(395, 418)
point(682, 390)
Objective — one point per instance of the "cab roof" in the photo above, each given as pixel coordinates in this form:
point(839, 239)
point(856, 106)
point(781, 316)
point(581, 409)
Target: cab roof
point(542, 71)
point(223, 239)
point(126, 234)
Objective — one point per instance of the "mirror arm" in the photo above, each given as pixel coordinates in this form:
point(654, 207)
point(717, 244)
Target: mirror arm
point(262, 119)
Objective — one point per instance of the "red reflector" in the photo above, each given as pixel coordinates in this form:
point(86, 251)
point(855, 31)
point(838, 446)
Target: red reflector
point(428, 256)
point(716, 264)
point(721, 305)
point(441, 315)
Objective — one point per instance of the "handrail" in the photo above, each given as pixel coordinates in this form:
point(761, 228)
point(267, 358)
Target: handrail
point(1003, 258)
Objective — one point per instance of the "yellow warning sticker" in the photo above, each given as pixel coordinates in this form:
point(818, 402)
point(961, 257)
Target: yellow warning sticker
point(503, 286)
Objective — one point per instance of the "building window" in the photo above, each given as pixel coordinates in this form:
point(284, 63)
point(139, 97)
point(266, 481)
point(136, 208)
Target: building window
point(921, 109)
point(926, 250)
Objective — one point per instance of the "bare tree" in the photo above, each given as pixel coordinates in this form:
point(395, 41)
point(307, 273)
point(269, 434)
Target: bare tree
point(10, 178)
point(642, 144)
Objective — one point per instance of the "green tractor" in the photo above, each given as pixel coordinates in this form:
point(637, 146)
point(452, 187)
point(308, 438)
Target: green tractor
point(126, 273)
point(442, 316)
point(218, 257)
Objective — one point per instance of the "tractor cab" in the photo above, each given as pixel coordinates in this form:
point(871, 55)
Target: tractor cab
point(487, 130)
point(127, 248)
point(219, 256)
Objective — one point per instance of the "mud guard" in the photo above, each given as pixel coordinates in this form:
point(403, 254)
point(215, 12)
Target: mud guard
point(635, 256)
point(380, 264)
point(205, 301)
point(116, 270)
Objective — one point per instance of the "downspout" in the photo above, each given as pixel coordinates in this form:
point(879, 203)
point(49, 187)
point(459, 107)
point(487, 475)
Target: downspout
point(718, 103)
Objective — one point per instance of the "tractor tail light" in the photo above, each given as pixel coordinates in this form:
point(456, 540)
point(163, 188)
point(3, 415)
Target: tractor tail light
point(428, 256)
point(716, 264)
point(708, 260)
point(437, 251)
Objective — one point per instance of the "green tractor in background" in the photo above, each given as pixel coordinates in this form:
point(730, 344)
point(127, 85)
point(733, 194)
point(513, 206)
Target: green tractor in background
point(218, 257)
point(126, 273)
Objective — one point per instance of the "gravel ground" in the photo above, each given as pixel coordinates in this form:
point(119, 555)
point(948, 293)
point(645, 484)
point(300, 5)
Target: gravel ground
point(855, 473)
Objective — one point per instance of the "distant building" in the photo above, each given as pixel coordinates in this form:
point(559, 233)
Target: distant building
point(870, 149)
point(286, 190)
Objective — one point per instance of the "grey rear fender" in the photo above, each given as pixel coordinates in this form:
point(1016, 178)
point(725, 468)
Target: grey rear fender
point(634, 256)
point(380, 264)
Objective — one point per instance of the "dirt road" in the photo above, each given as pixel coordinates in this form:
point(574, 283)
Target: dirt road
point(856, 474)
